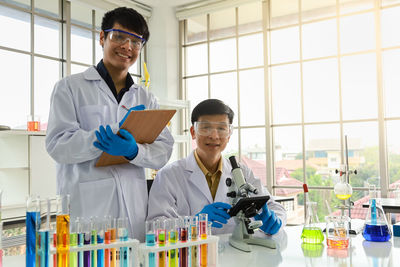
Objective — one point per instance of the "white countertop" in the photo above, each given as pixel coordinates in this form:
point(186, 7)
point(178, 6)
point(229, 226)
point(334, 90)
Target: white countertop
point(290, 253)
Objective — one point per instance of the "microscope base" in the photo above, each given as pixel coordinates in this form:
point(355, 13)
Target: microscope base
point(244, 244)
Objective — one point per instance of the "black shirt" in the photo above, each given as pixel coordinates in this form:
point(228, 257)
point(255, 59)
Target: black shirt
point(101, 69)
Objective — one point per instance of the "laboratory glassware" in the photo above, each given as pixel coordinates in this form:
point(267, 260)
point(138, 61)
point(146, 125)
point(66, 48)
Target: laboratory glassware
point(113, 239)
point(32, 226)
point(43, 237)
point(194, 236)
point(62, 220)
point(86, 241)
point(151, 241)
point(81, 237)
point(123, 236)
point(212, 248)
point(183, 238)
point(73, 242)
point(101, 224)
point(172, 239)
point(93, 240)
point(161, 241)
point(376, 226)
point(311, 232)
point(342, 189)
point(203, 221)
point(337, 231)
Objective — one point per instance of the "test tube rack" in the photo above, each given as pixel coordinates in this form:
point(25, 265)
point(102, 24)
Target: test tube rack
point(145, 250)
point(133, 244)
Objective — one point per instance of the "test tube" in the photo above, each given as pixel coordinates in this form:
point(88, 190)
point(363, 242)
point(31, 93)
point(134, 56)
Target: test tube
point(172, 239)
point(86, 241)
point(93, 240)
point(194, 235)
point(43, 238)
point(32, 226)
point(53, 240)
point(101, 224)
point(212, 249)
point(151, 241)
point(113, 236)
point(107, 240)
point(62, 230)
point(81, 237)
point(161, 241)
point(183, 238)
point(73, 242)
point(203, 220)
point(123, 236)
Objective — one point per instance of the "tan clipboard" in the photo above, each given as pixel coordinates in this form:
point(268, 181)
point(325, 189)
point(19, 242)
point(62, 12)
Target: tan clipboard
point(145, 126)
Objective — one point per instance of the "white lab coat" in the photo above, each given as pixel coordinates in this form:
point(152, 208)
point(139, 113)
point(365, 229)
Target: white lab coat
point(79, 105)
point(181, 189)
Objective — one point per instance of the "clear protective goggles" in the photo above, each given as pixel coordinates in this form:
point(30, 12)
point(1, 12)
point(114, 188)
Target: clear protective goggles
point(206, 128)
point(120, 37)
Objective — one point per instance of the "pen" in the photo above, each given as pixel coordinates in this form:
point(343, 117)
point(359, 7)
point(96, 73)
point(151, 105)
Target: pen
point(124, 107)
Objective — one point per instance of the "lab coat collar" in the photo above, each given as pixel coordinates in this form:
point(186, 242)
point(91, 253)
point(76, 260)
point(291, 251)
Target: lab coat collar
point(93, 75)
point(197, 177)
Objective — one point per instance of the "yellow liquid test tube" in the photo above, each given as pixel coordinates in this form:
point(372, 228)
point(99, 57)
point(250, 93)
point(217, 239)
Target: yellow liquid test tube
point(113, 236)
point(62, 224)
point(194, 235)
point(203, 222)
point(172, 239)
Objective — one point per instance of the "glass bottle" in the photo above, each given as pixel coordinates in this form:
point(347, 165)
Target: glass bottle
point(376, 227)
point(342, 189)
point(311, 233)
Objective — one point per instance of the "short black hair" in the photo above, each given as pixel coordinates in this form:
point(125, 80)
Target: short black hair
point(127, 18)
point(212, 107)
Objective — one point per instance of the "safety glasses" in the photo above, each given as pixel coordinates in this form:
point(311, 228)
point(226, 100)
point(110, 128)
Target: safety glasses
point(206, 128)
point(120, 37)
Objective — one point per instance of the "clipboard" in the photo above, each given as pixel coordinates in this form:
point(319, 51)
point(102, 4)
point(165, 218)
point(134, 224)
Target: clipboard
point(145, 126)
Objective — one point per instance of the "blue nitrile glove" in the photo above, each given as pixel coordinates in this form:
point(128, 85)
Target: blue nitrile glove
point(271, 222)
point(138, 107)
point(217, 213)
point(124, 145)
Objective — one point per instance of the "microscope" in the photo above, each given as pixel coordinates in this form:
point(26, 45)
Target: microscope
point(243, 208)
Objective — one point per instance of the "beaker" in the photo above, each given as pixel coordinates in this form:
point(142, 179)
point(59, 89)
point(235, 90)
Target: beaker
point(376, 226)
point(311, 232)
point(337, 231)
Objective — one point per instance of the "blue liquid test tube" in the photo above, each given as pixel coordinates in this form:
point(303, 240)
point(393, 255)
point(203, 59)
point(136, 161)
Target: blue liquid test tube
point(151, 241)
point(43, 237)
point(81, 238)
point(123, 236)
point(100, 240)
point(32, 226)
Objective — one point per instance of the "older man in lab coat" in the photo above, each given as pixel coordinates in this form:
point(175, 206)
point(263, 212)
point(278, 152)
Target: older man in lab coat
point(87, 110)
point(196, 184)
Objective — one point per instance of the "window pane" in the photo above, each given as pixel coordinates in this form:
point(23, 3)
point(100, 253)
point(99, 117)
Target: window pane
point(284, 12)
point(393, 149)
point(362, 143)
point(390, 18)
point(233, 146)
point(321, 90)
point(286, 94)
point(47, 73)
point(322, 153)
point(81, 45)
point(348, 6)
point(391, 82)
point(47, 7)
point(253, 151)
point(224, 87)
point(319, 39)
point(98, 48)
point(250, 17)
point(98, 17)
point(17, 22)
point(196, 59)
point(20, 3)
point(81, 14)
point(197, 90)
point(389, 2)
point(77, 68)
point(223, 55)
point(312, 9)
point(359, 80)
point(357, 33)
point(252, 97)
point(251, 52)
point(222, 23)
point(196, 29)
point(15, 96)
point(285, 45)
point(47, 37)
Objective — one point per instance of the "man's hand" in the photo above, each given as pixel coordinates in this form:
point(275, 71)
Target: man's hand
point(271, 223)
point(217, 213)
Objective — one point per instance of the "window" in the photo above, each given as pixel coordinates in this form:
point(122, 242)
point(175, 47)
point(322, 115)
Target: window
point(332, 72)
point(33, 43)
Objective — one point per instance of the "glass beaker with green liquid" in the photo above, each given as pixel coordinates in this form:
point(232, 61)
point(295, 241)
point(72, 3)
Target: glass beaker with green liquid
point(311, 233)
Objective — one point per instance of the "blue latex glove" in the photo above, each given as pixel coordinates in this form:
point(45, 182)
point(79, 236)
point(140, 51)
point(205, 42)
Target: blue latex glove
point(271, 222)
point(124, 145)
point(217, 213)
point(138, 107)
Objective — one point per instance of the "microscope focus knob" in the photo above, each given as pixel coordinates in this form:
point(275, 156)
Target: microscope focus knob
point(228, 182)
point(231, 194)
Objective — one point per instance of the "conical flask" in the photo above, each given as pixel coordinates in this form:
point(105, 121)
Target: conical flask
point(376, 226)
point(311, 233)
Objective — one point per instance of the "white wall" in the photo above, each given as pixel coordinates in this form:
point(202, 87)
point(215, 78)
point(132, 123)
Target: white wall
point(163, 48)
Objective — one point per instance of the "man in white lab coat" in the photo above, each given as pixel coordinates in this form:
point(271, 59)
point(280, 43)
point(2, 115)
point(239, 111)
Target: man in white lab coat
point(87, 110)
point(196, 184)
